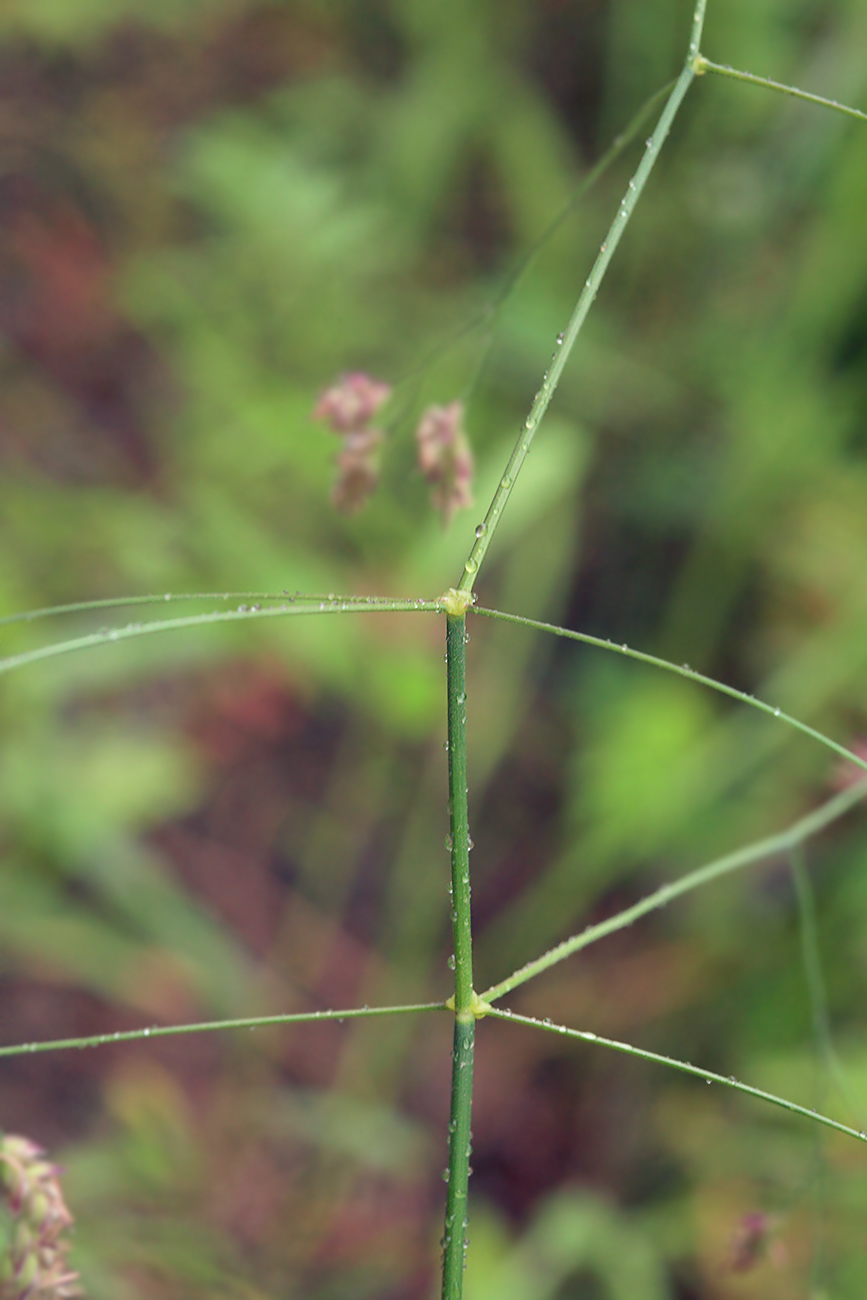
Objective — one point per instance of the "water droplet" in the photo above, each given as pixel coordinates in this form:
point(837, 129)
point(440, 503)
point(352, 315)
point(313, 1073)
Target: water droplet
point(777, 713)
point(560, 338)
point(445, 1175)
point(480, 530)
point(603, 247)
point(167, 596)
point(471, 565)
point(242, 609)
point(451, 962)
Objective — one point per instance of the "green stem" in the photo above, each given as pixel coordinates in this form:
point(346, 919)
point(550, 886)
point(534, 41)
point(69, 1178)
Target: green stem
point(681, 670)
point(705, 65)
point(291, 605)
point(458, 1172)
point(815, 982)
point(684, 1067)
point(209, 1026)
point(785, 841)
point(566, 341)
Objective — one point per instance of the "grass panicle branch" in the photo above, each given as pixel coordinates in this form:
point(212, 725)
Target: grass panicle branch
point(566, 341)
point(784, 842)
point(709, 1076)
point(681, 670)
point(722, 69)
point(212, 1026)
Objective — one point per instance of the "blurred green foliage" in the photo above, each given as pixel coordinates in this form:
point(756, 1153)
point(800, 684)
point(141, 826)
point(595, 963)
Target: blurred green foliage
point(211, 209)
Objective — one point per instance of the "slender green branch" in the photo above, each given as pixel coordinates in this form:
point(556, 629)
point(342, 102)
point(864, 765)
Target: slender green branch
point(490, 312)
point(708, 1075)
point(783, 842)
point(121, 602)
point(697, 29)
point(291, 605)
point(209, 1026)
point(494, 308)
point(682, 670)
point(454, 1241)
point(703, 65)
point(815, 981)
point(566, 341)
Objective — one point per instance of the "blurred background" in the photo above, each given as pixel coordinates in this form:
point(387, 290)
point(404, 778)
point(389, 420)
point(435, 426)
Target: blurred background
point(210, 209)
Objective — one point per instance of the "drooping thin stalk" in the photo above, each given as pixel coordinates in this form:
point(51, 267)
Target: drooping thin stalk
point(454, 1240)
point(682, 670)
point(783, 842)
point(812, 961)
point(209, 1026)
point(289, 605)
point(706, 65)
point(566, 341)
point(684, 1066)
point(121, 602)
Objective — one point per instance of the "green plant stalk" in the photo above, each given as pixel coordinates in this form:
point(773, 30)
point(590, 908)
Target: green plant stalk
point(812, 962)
point(703, 65)
point(683, 1066)
point(454, 1240)
point(681, 670)
point(211, 1026)
point(783, 842)
point(290, 605)
point(566, 341)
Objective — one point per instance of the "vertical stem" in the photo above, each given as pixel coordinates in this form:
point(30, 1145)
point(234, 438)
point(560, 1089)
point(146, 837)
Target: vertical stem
point(455, 1235)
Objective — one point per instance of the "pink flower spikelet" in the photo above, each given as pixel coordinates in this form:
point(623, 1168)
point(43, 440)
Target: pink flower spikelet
point(348, 407)
point(35, 1264)
point(350, 404)
point(445, 458)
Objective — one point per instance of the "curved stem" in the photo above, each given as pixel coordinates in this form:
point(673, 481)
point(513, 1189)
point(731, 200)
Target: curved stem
point(289, 606)
point(684, 1067)
point(784, 842)
point(681, 670)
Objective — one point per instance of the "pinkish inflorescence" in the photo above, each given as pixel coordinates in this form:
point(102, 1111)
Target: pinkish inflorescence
point(35, 1263)
point(348, 407)
point(444, 457)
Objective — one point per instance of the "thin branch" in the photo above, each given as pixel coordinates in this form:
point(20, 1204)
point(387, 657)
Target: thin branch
point(566, 340)
point(684, 1067)
point(120, 602)
point(783, 842)
point(291, 605)
point(209, 1026)
point(681, 670)
point(703, 65)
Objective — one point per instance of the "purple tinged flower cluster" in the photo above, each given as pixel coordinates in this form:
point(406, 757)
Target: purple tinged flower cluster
point(445, 459)
point(444, 456)
point(34, 1264)
point(348, 407)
